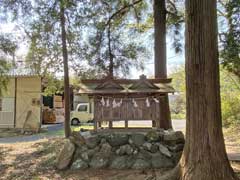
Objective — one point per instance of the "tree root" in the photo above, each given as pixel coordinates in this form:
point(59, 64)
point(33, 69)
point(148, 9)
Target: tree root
point(176, 174)
point(171, 175)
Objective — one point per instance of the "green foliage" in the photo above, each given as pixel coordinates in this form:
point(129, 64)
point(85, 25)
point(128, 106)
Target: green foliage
point(107, 46)
point(174, 22)
point(178, 79)
point(4, 68)
point(230, 59)
point(52, 85)
point(18, 8)
point(99, 33)
point(230, 96)
point(7, 48)
point(230, 35)
point(44, 55)
point(178, 101)
point(178, 116)
point(7, 45)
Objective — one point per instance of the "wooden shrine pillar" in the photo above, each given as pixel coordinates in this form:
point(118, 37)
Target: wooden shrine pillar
point(110, 124)
point(126, 124)
point(164, 112)
point(154, 123)
point(95, 125)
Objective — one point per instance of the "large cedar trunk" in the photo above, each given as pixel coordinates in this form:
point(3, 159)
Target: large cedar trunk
point(204, 156)
point(66, 75)
point(160, 57)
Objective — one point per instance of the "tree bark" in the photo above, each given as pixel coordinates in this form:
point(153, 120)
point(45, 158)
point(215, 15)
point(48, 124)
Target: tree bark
point(204, 156)
point(110, 73)
point(66, 75)
point(160, 38)
point(160, 58)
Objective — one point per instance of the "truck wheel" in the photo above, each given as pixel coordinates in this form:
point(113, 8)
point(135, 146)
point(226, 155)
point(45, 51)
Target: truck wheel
point(75, 122)
point(90, 121)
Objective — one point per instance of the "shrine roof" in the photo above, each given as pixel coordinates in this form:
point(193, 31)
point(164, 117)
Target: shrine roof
point(125, 86)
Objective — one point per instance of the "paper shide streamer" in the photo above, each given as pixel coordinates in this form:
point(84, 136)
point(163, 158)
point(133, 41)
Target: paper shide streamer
point(118, 104)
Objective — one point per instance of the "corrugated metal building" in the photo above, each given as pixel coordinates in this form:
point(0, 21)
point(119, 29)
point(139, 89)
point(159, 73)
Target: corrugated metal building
point(20, 105)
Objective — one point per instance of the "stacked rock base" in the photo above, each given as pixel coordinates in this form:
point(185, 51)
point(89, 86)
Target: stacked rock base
point(153, 149)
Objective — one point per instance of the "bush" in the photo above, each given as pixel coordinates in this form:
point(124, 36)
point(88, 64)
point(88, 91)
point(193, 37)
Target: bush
point(230, 108)
point(230, 97)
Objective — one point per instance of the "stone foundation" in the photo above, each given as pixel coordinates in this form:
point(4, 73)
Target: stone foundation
point(122, 150)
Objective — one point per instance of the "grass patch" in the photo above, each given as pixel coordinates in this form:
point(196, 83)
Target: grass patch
point(179, 116)
point(84, 127)
point(9, 133)
point(60, 132)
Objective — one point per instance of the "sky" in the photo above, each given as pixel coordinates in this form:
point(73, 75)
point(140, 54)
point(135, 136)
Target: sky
point(10, 28)
point(173, 59)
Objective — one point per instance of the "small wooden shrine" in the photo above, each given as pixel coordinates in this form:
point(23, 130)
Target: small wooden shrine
point(126, 99)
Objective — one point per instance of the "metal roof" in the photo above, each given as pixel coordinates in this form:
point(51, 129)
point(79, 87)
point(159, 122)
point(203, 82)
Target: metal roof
point(20, 72)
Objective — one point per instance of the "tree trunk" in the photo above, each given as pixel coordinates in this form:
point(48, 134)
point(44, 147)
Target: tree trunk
point(160, 58)
point(204, 156)
point(110, 73)
point(66, 75)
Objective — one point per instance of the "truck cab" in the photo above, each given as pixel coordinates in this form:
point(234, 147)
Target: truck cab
point(82, 114)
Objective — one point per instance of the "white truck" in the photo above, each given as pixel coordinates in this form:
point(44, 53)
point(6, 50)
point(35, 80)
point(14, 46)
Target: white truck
point(82, 114)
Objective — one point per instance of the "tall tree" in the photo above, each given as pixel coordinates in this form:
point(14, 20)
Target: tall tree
point(44, 32)
point(204, 156)
point(116, 21)
point(160, 52)
point(66, 74)
point(166, 16)
point(48, 28)
point(107, 46)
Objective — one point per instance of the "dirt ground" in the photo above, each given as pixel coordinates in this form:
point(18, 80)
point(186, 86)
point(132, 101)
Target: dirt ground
point(36, 160)
point(232, 139)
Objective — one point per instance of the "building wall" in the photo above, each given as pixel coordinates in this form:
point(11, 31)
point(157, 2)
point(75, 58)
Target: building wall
point(8, 102)
point(10, 92)
point(28, 102)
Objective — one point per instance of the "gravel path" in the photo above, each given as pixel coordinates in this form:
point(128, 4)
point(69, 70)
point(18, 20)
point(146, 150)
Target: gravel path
point(34, 137)
point(178, 125)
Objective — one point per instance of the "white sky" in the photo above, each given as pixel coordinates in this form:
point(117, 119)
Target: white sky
point(173, 60)
point(11, 28)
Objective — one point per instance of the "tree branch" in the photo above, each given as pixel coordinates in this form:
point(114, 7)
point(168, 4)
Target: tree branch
point(122, 10)
point(221, 13)
point(172, 4)
point(173, 14)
